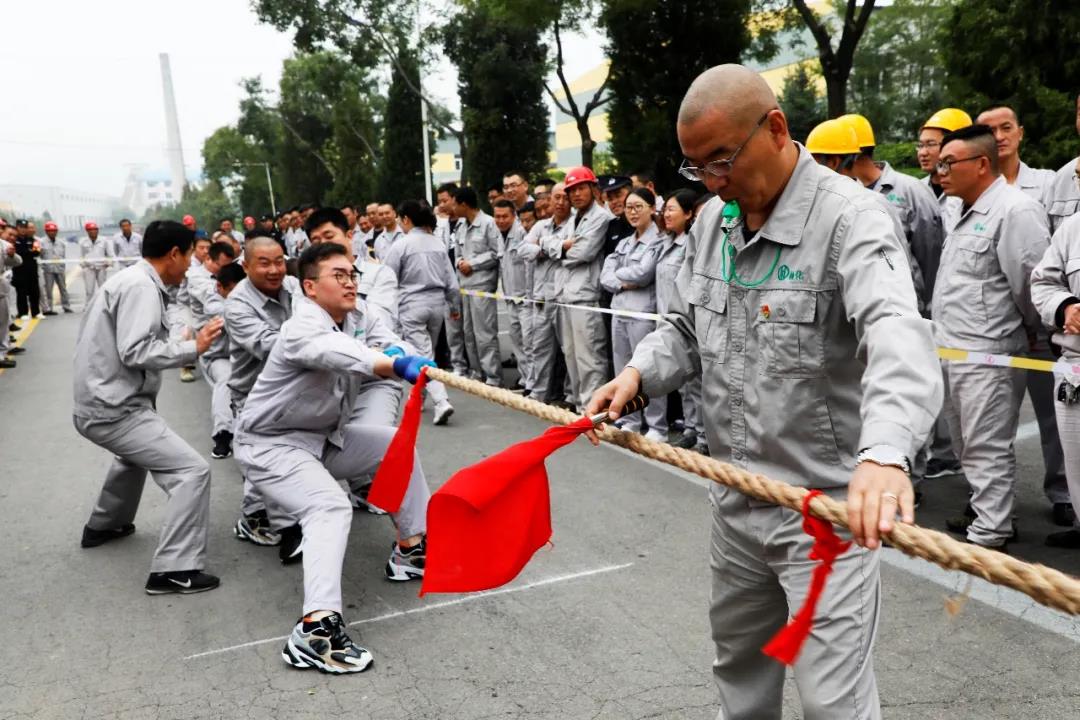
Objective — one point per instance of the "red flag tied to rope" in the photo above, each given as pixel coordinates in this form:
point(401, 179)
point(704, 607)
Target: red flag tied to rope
point(486, 522)
point(787, 643)
point(392, 478)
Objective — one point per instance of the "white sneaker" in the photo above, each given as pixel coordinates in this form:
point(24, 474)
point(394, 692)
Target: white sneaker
point(656, 436)
point(443, 411)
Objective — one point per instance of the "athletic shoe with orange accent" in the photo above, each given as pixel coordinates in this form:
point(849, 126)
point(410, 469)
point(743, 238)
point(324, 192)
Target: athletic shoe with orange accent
point(324, 645)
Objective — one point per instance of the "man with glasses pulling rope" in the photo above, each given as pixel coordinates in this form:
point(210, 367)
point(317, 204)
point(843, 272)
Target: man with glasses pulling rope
point(818, 370)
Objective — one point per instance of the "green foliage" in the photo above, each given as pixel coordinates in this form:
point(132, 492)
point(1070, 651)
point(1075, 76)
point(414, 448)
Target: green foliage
point(801, 102)
point(501, 67)
point(603, 163)
point(401, 167)
point(898, 78)
point(207, 204)
point(1022, 53)
point(900, 155)
point(656, 49)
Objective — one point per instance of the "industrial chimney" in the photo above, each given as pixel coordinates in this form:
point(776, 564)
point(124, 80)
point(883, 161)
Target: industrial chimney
point(173, 148)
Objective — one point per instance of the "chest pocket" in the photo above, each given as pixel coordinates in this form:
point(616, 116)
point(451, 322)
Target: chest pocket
point(973, 254)
point(1061, 209)
point(790, 336)
point(709, 298)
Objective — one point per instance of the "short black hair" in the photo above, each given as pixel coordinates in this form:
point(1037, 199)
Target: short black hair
point(527, 207)
point(497, 187)
point(644, 176)
point(200, 238)
point(467, 196)
point(449, 188)
point(647, 195)
point(519, 173)
point(350, 206)
point(124, 220)
point(222, 248)
point(308, 206)
point(308, 267)
point(326, 215)
point(1000, 106)
point(225, 219)
point(544, 181)
point(979, 135)
point(230, 274)
point(504, 204)
point(162, 236)
point(417, 213)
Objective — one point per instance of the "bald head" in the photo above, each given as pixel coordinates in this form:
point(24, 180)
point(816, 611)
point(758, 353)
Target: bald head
point(734, 90)
point(259, 242)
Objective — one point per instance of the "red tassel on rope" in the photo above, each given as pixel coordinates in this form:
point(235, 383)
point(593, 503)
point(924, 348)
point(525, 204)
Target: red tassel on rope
point(787, 643)
point(392, 478)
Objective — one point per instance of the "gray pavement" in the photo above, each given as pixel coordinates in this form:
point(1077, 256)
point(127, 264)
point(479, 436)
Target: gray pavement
point(607, 622)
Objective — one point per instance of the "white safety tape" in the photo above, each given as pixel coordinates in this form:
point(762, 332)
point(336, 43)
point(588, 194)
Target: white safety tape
point(590, 308)
point(89, 261)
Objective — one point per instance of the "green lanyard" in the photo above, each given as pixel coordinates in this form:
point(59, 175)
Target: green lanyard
point(730, 220)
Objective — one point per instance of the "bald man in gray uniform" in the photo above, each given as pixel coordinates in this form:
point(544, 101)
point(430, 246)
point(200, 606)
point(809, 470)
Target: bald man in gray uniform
point(823, 376)
point(122, 348)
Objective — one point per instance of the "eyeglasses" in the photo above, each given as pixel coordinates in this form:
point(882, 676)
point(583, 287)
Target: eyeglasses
point(719, 168)
point(944, 167)
point(344, 278)
point(636, 208)
point(928, 145)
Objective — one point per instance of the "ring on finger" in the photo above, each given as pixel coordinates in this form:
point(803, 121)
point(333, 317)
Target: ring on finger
point(891, 496)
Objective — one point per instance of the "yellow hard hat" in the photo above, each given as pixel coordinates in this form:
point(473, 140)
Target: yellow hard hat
point(833, 137)
point(863, 130)
point(948, 119)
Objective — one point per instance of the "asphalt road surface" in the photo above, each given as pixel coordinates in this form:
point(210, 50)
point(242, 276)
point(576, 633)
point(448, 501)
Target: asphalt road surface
point(609, 621)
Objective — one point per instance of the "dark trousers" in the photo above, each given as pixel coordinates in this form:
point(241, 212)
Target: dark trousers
point(27, 294)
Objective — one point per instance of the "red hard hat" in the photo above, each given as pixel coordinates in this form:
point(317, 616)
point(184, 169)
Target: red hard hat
point(51, 226)
point(249, 219)
point(188, 220)
point(579, 175)
point(91, 226)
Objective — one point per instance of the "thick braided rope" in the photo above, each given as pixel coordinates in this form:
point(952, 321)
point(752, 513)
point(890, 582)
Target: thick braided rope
point(1043, 584)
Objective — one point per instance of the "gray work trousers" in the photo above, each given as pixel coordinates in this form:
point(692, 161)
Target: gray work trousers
point(480, 321)
point(626, 333)
point(378, 403)
point(583, 337)
point(217, 371)
point(1041, 388)
point(58, 280)
point(693, 417)
point(142, 442)
point(455, 340)
point(520, 316)
point(5, 318)
point(306, 487)
point(93, 278)
point(982, 407)
point(760, 577)
point(1068, 423)
point(44, 299)
point(543, 345)
point(420, 324)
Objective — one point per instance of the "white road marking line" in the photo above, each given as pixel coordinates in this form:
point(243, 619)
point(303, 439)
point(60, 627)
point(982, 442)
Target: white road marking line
point(1027, 431)
point(669, 469)
point(435, 606)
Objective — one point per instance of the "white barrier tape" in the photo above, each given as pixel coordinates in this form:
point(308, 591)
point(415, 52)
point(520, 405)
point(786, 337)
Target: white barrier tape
point(89, 262)
point(591, 308)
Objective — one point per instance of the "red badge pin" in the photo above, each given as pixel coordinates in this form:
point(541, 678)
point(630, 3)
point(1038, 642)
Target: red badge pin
point(765, 311)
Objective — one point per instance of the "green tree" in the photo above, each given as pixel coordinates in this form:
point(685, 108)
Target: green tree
point(401, 169)
point(501, 65)
point(898, 78)
point(801, 101)
point(207, 204)
point(656, 49)
point(1022, 53)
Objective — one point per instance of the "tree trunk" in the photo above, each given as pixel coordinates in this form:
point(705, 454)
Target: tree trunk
point(587, 143)
point(836, 92)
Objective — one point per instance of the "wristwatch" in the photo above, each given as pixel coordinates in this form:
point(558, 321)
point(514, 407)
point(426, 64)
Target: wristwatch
point(886, 456)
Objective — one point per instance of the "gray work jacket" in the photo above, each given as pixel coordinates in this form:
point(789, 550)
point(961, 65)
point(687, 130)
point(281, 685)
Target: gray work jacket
point(633, 263)
point(303, 397)
point(378, 287)
point(516, 274)
point(127, 247)
point(544, 236)
point(578, 278)
point(253, 321)
point(124, 344)
point(1033, 181)
point(1062, 197)
point(95, 253)
point(668, 265)
point(479, 243)
point(422, 267)
point(54, 250)
point(206, 304)
point(920, 218)
point(983, 296)
point(385, 241)
point(1056, 279)
point(810, 343)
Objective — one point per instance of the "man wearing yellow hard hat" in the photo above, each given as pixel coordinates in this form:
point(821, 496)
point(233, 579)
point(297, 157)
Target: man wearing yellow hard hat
point(918, 210)
point(928, 150)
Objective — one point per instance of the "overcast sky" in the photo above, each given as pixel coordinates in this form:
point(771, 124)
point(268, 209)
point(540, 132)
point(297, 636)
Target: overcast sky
point(83, 83)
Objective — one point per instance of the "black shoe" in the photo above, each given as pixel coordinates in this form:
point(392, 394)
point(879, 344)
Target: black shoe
point(510, 362)
point(16, 351)
point(687, 440)
point(68, 310)
point(93, 538)
point(1002, 548)
point(14, 328)
point(7, 363)
point(324, 645)
point(960, 525)
point(1064, 515)
point(291, 549)
point(938, 469)
point(1069, 539)
point(49, 312)
point(183, 582)
point(222, 445)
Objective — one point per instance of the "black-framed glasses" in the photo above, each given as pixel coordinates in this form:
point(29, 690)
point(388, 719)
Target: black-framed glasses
point(944, 167)
point(719, 168)
point(343, 278)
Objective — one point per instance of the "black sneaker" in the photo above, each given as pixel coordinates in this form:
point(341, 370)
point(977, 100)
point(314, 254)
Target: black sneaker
point(291, 549)
point(960, 525)
point(255, 528)
point(405, 565)
point(7, 363)
point(16, 350)
point(49, 312)
point(687, 440)
point(14, 328)
point(324, 645)
point(1002, 548)
point(93, 538)
point(183, 582)
point(1063, 514)
point(222, 445)
point(938, 469)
